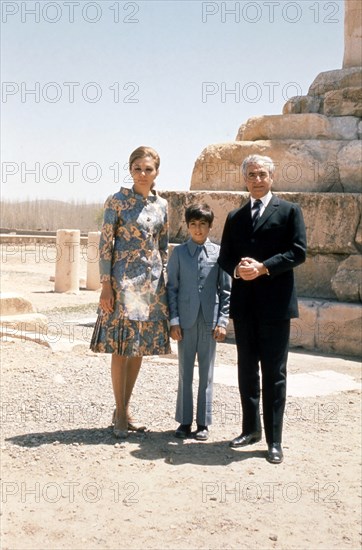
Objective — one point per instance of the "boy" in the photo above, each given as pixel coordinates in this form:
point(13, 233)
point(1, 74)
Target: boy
point(198, 293)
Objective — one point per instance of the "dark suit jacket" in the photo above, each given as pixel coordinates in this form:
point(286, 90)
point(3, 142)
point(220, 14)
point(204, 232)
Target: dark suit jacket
point(279, 242)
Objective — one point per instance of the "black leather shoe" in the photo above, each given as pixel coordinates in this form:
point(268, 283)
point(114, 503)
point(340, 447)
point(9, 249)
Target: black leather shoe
point(275, 453)
point(245, 439)
point(183, 431)
point(202, 433)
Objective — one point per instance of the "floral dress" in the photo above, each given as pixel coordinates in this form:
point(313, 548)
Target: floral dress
point(133, 256)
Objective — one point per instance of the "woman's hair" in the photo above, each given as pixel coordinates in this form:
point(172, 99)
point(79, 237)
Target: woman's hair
point(142, 152)
point(200, 211)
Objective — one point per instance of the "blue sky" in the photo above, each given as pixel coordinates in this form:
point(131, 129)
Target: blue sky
point(110, 76)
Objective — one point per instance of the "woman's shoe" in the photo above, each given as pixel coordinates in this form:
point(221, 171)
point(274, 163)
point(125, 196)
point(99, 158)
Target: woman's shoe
point(119, 431)
point(135, 427)
point(120, 434)
point(132, 427)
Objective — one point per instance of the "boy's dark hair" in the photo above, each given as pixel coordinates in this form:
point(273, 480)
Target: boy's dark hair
point(199, 211)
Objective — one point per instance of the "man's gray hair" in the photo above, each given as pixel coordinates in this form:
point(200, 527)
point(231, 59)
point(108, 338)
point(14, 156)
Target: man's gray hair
point(258, 159)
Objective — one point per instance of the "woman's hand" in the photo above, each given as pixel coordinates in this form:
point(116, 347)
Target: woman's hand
point(106, 300)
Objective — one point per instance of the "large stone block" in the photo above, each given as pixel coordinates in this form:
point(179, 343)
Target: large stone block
point(329, 229)
point(328, 327)
point(358, 236)
point(302, 329)
point(14, 304)
point(345, 102)
point(340, 329)
point(221, 203)
point(360, 130)
point(332, 277)
point(313, 278)
point(303, 126)
point(347, 282)
point(303, 104)
point(218, 167)
point(349, 160)
point(16, 325)
point(336, 80)
point(301, 165)
point(325, 327)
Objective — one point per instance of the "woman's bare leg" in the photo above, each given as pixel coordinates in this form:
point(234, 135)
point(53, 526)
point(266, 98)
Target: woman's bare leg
point(124, 372)
point(119, 383)
point(133, 368)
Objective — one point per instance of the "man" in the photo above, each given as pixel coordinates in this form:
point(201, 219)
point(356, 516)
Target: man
point(261, 244)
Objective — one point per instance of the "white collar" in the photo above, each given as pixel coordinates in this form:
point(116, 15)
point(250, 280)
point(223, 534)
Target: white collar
point(265, 200)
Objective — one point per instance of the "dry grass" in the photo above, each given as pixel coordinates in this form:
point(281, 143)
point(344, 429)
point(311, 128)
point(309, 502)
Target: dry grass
point(49, 215)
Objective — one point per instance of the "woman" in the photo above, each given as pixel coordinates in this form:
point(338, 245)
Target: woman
point(133, 314)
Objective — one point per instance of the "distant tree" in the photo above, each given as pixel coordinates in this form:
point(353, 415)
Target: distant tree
point(50, 215)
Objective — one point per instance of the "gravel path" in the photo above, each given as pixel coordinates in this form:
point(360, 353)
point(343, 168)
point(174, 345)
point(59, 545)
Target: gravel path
point(67, 483)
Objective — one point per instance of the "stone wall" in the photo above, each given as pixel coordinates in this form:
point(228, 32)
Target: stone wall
point(333, 269)
point(329, 283)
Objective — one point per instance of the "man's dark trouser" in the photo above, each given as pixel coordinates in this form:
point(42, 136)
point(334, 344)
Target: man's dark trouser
point(266, 342)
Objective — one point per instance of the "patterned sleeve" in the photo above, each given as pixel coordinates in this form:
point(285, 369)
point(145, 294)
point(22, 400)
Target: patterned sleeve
point(224, 298)
point(172, 286)
point(163, 237)
point(106, 240)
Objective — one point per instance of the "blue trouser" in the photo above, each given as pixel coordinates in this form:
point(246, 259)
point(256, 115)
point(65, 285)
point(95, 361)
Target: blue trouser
point(197, 340)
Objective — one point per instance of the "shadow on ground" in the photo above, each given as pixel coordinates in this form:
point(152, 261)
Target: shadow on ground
point(152, 445)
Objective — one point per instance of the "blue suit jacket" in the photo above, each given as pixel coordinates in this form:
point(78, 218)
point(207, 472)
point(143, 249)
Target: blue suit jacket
point(196, 280)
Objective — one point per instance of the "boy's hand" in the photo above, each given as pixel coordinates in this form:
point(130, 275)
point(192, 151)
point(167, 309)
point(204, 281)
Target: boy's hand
point(219, 333)
point(176, 333)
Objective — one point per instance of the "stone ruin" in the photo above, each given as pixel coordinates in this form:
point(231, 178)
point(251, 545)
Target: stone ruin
point(316, 145)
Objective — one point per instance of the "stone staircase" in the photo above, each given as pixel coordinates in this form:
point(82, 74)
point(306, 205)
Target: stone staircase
point(317, 148)
point(313, 151)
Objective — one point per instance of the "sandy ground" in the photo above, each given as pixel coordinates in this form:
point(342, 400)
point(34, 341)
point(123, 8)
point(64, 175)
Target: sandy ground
point(67, 483)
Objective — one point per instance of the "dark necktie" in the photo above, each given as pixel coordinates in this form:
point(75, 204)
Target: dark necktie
point(255, 212)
